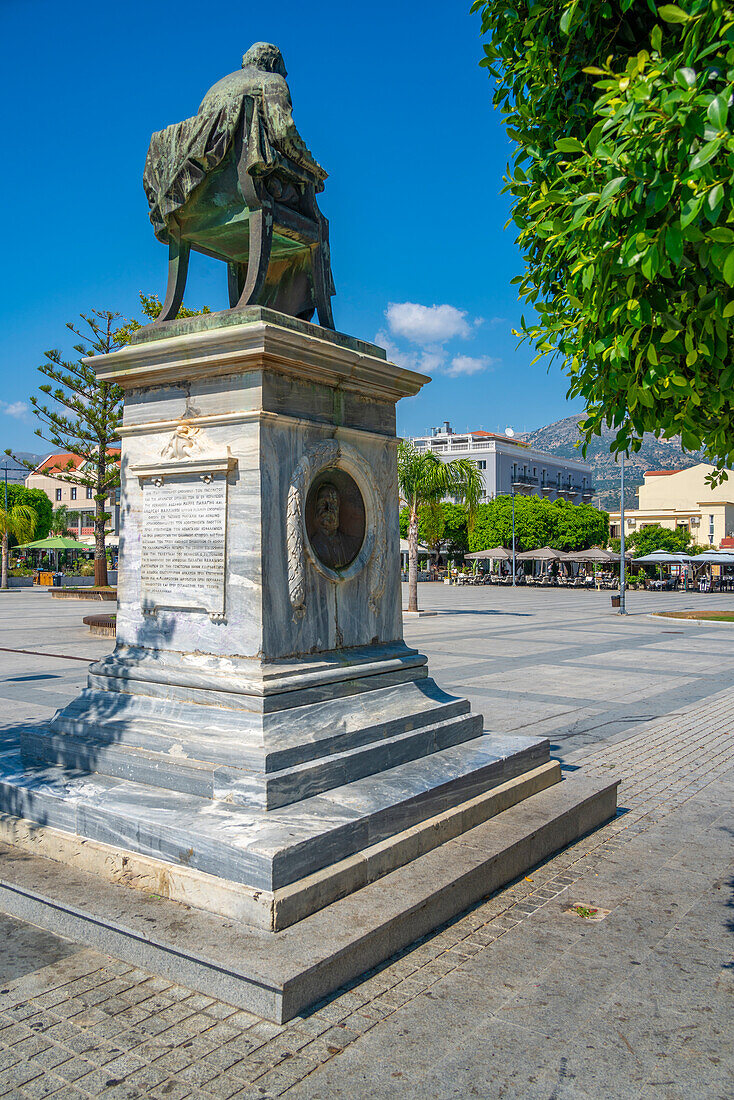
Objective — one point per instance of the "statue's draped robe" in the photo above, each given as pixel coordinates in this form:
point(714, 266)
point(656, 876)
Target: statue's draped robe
point(180, 157)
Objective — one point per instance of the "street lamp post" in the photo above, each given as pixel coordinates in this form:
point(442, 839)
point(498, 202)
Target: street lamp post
point(6, 468)
point(514, 566)
point(622, 568)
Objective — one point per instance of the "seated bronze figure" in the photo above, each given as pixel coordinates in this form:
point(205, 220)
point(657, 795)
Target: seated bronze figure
point(237, 182)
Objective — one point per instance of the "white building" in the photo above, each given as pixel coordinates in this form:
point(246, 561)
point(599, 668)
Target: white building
point(510, 465)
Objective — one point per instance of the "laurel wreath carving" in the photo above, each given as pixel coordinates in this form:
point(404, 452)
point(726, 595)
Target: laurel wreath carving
point(322, 456)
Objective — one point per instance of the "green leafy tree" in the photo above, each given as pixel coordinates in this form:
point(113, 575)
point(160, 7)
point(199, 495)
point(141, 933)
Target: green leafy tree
point(440, 527)
point(18, 521)
point(578, 526)
point(38, 501)
point(621, 186)
point(653, 537)
point(150, 307)
point(538, 522)
point(423, 481)
point(60, 520)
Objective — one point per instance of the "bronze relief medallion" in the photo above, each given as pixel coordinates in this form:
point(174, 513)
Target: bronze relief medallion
point(335, 518)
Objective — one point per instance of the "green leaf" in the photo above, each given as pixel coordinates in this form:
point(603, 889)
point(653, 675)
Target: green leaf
point(706, 154)
point(686, 77)
point(722, 235)
point(567, 17)
point(612, 187)
point(728, 267)
point(656, 38)
point(569, 145)
point(671, 13)
point(717, 110)
point(728, 310)
point(715, 196)
point(674, 244)
point(690, 210)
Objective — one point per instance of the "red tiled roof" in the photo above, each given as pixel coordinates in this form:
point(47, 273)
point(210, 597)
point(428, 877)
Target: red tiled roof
point(61, 462)
point(660, 473)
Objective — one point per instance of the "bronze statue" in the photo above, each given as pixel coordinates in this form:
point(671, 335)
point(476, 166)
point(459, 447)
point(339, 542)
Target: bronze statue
point(237, 182)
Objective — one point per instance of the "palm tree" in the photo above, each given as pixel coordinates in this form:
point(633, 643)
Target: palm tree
point(424, 481)
point(20, 522)
point(60, 520)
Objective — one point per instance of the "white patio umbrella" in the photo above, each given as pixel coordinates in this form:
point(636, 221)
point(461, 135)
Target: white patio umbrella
point(596, 554)
point(546, 553)
point(495, 553)
point(404, 547)
point(662, 557)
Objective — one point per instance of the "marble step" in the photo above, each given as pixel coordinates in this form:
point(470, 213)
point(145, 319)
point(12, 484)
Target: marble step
point(207, 779)
point(264, 744)
point(263, 849)
point(218, 695)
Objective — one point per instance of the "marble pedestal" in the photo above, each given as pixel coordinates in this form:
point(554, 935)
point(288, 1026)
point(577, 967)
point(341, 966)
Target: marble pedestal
point(261, 731)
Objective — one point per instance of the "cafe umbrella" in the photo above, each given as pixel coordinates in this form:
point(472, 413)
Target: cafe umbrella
point(54, 543)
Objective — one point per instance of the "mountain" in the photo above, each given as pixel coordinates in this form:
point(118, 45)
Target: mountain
point(561, 438)
point(17, 473)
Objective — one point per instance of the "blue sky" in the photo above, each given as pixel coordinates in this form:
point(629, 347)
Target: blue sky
point(390, 99)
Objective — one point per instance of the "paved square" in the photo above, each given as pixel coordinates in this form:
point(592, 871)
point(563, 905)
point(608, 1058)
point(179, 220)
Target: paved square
point(516, 998)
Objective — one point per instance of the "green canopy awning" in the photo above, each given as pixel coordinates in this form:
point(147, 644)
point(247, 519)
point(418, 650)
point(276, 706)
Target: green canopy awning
point(54, 542)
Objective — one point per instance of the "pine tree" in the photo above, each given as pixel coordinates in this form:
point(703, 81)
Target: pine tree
point(85, 421)
point(88, 429)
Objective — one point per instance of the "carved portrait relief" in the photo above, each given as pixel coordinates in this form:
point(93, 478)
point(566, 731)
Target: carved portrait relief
point(335, 522)
point(335, 518)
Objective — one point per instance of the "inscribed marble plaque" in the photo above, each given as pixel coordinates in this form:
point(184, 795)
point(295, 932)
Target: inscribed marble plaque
point(184, 544)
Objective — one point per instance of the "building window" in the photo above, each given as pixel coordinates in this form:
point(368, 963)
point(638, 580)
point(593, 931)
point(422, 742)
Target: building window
point(90, 494)
point(711, 530)
point(482, 465)
point(58, 494)
point(73, 493)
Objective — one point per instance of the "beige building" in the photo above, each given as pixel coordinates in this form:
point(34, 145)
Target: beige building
point(77, 498)
point(682, 498)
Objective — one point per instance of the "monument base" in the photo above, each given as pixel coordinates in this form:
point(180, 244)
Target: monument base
point(278, 975)
point(271, 910)
point(262, 743)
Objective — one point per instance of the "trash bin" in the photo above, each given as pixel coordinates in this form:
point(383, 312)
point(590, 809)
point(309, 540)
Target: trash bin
point(45, 577)
point(616, 600)
point(57, 580)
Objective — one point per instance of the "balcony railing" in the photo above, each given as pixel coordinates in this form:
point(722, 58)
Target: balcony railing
point(523, 483)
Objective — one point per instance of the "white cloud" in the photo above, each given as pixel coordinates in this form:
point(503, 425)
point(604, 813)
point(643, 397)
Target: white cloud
point(425, 361)
point(18, 409)
point(468, 364)
point(426, 324)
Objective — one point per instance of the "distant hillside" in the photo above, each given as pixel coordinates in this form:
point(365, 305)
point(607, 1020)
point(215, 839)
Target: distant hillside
point(16, 472)
point(656, 454)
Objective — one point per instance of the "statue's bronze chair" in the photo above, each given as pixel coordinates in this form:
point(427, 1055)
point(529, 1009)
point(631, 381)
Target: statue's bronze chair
point(256, 211)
